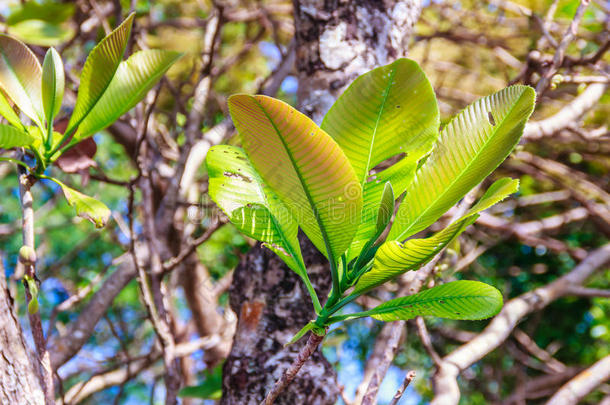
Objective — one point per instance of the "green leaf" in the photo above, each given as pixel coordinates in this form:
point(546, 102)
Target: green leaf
point(99, 69)
point(251, 206)
point(394, 258)
point(86, 207)
point(304, 166)
point(210, 388)
point(388, 111)
point(132, 80)
point(21, 77)
point(470, 147)
point(466, 300)
point(42, 33)
point(8, 113)
point(52, 85)
point(11, 137)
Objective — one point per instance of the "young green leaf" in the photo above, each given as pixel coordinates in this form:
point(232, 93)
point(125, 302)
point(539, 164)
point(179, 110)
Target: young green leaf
point(470, 147)
point(386, 209)
point(304, 166)
point(21, 77)
point(52, 85)
point(11, 137)
point(394, 258)
point(384, 215)
point(86, 207)
point(132, 80)
point(466, 300)
point(388, 111)
point(99, 69)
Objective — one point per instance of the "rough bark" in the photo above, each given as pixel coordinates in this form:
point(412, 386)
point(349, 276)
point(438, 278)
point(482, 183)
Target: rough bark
point(336, 42)
point(19, 377)
point(339, 40)
point(272, 305)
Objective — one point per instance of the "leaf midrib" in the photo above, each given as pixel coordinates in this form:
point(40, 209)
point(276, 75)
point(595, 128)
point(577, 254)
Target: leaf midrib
point(386, 93)
point(465, 170)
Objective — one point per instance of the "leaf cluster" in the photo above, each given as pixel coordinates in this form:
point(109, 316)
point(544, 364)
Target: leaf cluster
point(379, 147)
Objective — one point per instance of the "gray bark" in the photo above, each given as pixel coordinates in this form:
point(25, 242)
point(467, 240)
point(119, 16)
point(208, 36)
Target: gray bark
point(336, 42)
point(19, 377)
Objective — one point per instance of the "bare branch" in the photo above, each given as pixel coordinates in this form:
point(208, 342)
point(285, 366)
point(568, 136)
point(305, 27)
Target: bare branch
point(445, 383)
point(581, 385)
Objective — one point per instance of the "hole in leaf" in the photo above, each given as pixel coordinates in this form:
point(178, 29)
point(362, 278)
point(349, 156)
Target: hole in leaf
point(239, 176)
point(491, 119)
point(384, 165)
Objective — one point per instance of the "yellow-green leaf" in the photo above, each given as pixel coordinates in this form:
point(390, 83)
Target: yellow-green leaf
point(86, 207)
point(251, 206)
point(386, 112)
point(21, 77)
point(99, 69)
point(8, 113)
point(470, 147)
point(465, 300)
point(304, 166)
point(394, 258)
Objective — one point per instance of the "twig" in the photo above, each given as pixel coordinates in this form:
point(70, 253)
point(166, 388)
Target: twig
point(561, 49)
point(306, 352)
point(424, 336)
point(27, 213)
point(408, 378)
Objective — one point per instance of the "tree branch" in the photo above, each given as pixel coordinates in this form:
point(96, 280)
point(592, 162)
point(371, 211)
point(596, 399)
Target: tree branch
point(500, 328)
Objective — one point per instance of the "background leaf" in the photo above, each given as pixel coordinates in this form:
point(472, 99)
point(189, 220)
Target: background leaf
point(42, 33)
point(100, 67)
point(132, 80)
point(304, 166)
point(21, 77)
point(470, 147)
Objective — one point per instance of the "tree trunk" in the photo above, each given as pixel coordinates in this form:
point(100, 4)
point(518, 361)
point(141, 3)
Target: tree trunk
point(336, 42)
point(19, 378)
